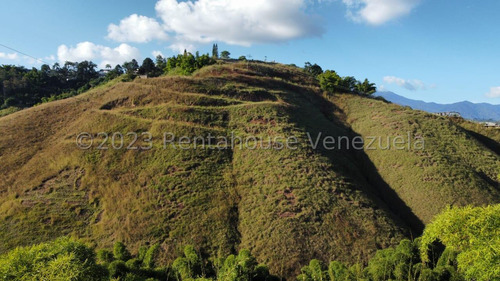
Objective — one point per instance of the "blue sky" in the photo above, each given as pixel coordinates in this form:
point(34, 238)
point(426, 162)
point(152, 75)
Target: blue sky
point(434, 50)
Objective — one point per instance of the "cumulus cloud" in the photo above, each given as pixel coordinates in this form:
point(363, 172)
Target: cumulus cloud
point(412, 85)
point(238, 22)
point(11, 56)
point(136, 28)
point(157, 53)
point(187, 24)
point(97, 53)
point(234, 22)
point(494, 92)
point(181, 44)
point(377, 12)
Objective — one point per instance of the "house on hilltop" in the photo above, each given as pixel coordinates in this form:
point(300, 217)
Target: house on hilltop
point(491, 125)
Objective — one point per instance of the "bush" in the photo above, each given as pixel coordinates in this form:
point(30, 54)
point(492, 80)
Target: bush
point(150, 255)
point(117, 268)
point(313, 272)
point(104, 256)
point(188, 266)
point(120, 252)
point(128, 77)
point(62, 259)
point(472, 232)
point(338, 271)
point(133, 264)
point(142, 252)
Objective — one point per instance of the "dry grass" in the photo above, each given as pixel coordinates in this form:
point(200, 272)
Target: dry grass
point(287, 206)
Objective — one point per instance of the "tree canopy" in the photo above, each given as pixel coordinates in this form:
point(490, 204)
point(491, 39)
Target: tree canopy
point(332, 82)
point(225, 54)
point(473, 232)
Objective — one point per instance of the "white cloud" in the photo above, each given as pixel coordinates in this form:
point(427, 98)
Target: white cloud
point(243, 22)
point(50, 58)
point(181, 44)
point(136, 28)
point(157, 53)
point(377, 12)
point(412, 85)
point(11, 56)
point(237, 22)
point(494, 92)
point(26, 60)
point(97, 53)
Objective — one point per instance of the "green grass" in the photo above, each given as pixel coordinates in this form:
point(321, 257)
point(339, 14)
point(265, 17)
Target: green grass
point(8, 110)
point(455, 168)
point(286, 206)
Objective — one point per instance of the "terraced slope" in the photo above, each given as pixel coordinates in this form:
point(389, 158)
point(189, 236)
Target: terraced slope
point(286, 205)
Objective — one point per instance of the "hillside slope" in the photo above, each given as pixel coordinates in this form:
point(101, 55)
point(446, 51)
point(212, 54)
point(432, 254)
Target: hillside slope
point(457, 166)
point(286, 205)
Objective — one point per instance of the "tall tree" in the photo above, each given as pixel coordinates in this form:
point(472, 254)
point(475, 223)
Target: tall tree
point(215, 51)
point(131, 66)
point(161, 63)
point(85, 71)
point(148, 67)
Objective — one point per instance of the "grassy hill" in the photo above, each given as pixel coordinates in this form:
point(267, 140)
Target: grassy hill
point(455, 168)
point(287, 206)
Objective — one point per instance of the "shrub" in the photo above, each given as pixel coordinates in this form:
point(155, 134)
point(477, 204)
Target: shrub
point(120, 252)
point(150, 255)
point(188, 266)
point(117, 268)
point(472, 232)
point(313, 272)
point(104, 256)
point(62, 259)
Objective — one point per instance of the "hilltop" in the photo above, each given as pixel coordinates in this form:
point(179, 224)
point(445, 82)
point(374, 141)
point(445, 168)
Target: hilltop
point(285, 205)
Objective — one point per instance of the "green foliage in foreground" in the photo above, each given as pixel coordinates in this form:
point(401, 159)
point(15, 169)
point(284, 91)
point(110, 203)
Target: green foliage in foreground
point(62, 259)
point(471, 236)
point(68, 260)
point(400, 263)
point(472, 232)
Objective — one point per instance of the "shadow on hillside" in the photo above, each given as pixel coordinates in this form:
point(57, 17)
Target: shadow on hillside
point(389, 196)
point(484, 140)
point(356, 163)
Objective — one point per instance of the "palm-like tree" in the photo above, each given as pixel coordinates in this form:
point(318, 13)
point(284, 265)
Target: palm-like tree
point(366, 87)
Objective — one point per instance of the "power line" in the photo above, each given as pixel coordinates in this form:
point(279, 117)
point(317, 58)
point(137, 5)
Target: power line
point(19, 52)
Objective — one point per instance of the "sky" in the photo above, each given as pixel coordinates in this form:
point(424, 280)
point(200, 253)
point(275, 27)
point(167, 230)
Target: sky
point(441, 51)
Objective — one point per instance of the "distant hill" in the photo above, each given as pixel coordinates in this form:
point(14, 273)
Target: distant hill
point(468, 110)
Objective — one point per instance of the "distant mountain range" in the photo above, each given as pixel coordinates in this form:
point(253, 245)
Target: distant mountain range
point(468, 110)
